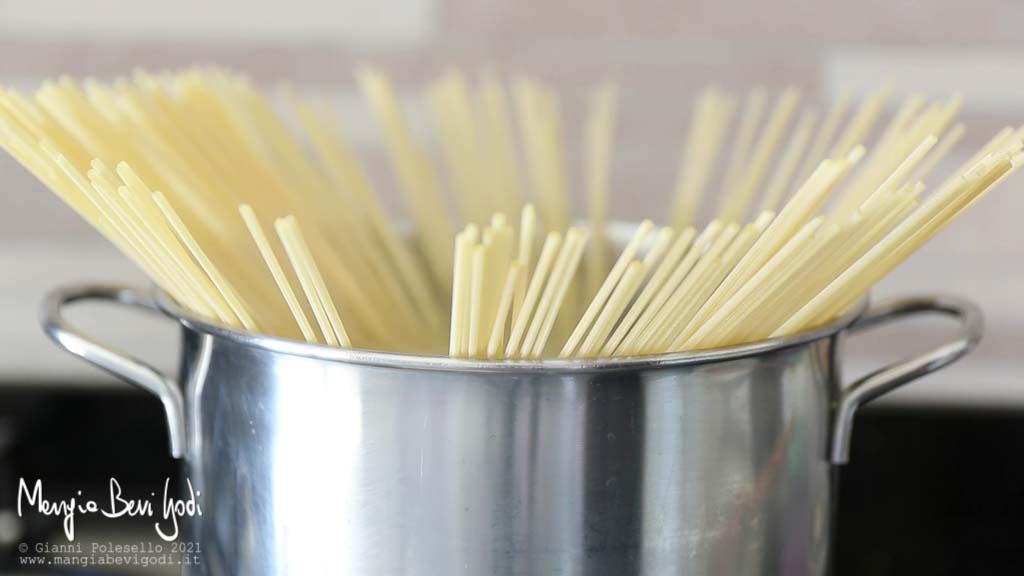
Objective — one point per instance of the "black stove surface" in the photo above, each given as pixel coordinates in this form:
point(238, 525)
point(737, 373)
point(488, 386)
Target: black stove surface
point(933, 492)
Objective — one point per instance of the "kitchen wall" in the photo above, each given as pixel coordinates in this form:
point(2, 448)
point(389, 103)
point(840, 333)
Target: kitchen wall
point(660, 52)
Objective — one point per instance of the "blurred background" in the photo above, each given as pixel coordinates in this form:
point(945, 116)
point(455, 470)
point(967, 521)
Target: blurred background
point(661, 54)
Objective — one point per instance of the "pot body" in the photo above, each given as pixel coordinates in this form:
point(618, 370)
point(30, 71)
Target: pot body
point(315, 460)
point(310, 466)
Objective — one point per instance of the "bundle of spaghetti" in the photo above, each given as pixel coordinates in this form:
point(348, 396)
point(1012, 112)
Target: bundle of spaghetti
point(502, 307)
point(187, 150)
point(186, 171)
point(781, 274)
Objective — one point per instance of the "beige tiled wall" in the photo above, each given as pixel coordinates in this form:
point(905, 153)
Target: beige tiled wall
point(660, 52)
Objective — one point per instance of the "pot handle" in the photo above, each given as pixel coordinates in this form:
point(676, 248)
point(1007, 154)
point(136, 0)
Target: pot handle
point(123, 366)
point(891, 377)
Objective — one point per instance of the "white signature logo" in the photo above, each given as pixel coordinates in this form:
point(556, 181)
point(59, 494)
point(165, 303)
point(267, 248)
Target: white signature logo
point(118, 506)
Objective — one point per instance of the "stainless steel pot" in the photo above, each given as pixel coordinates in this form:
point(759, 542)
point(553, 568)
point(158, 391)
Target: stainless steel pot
point(316, 460)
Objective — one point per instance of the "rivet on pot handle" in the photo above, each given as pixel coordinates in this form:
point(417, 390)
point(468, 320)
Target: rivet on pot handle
point(125, 367)
point(891, 377)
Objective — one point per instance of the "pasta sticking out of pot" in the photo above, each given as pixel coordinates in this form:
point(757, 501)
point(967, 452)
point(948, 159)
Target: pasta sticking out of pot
point(186, 172)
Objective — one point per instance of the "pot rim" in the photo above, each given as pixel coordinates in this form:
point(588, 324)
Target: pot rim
point(387, 359)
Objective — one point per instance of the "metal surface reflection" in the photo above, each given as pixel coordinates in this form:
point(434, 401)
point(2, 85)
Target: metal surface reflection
point(324, 461)
point(707, 469)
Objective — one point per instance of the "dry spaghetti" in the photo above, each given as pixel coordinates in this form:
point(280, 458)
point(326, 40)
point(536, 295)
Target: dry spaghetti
point(186, 171)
